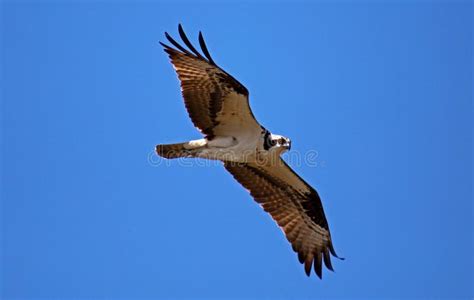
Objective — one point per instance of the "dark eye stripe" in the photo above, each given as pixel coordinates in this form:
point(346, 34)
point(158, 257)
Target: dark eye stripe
point(267, 141)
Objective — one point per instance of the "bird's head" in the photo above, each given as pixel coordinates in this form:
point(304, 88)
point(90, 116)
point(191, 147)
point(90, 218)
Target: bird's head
point(275, 142)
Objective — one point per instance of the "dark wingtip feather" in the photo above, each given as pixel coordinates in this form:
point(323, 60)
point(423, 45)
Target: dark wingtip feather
point(327, 260)
point(318, 266)
point(204, 48)
point(293, 246)
point(176, 44)
point(307, 265)
point(333, 252)
point(186, 41)
point(164, 45)
point(301, 257)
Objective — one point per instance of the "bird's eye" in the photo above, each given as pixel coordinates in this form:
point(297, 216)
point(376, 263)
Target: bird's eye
point(271, 142)
point(281, 141)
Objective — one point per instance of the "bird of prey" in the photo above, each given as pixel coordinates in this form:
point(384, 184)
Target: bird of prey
point(218, 105)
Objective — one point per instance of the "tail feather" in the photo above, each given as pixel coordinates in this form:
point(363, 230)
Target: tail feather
point(174, 150)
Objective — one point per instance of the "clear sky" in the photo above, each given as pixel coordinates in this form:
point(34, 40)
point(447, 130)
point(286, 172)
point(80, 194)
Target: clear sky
point(382, 93)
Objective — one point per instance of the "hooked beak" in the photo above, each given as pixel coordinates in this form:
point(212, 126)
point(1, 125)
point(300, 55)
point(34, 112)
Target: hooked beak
point(284, 143)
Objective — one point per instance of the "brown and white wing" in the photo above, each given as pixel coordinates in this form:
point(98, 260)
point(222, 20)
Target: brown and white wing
point(294, 205)
point(216, 102)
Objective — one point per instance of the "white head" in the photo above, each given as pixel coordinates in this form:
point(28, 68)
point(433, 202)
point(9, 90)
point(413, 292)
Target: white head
point(275, 142)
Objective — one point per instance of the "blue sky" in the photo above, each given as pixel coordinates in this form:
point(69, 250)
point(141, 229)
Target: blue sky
point(383, 93)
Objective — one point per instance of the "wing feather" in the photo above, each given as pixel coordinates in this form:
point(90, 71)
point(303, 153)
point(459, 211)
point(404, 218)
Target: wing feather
point(188, 43)
point(294, 205)
point(216, 102)
point(176, 44)
point(318, 266)
point(204, 49)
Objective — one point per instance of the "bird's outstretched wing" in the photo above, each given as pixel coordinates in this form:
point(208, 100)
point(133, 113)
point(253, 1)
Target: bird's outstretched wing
point(294, 205)
point(216, 102)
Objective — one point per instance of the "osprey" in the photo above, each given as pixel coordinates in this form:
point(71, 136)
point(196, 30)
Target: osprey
point(218, 105)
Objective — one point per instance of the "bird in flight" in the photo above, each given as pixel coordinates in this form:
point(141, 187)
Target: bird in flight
point(218, 105)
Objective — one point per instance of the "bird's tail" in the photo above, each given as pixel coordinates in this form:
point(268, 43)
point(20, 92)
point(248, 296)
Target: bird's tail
point(187, 149)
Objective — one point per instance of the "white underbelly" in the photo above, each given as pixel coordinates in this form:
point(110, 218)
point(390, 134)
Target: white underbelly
point(230, 149)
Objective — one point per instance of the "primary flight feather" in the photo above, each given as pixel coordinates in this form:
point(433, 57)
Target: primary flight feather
point(218, 105)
